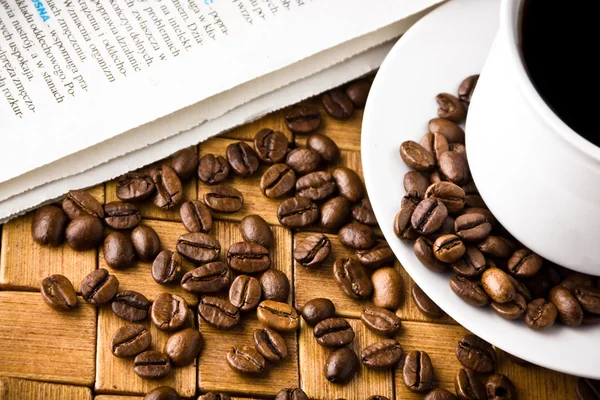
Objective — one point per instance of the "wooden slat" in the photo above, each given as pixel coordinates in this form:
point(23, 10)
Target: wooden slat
point(112, 397)
point(22, 389)
point(37, 342)
point(366, 383)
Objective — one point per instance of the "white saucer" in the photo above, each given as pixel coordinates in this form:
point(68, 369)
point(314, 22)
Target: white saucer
point(446, 46)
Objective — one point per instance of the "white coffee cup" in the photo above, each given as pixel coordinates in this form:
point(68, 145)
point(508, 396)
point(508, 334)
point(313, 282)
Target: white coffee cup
point(538, 176)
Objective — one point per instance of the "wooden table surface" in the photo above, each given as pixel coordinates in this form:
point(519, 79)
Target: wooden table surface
point(51, 355)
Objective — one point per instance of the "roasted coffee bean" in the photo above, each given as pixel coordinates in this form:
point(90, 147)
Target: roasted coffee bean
point(184, 346)
point(382, 355)
point(196, 216)
point(303, 161)
point(511, 310)
point(470, 292)
point(467, 87)
point(275, 285)
point(303, 119)
point(358, 92)
point(448, 193)
point(118, 250)
point(245, 292)
point(429, 216)
point(224, 199)
point(377, 256)
point(416, 181)
point(48, 226)
point(58, 292)
point(317, 310)
point(489, 217)
point(334, 332)
point(146, 243)
point(468, 386)
point(524, 263)
point(335, 213)
point(209, 278)
point(425, 305)
point(214, 396)
point(520, 288)
point(476, 354)
point(135, 187)
point(255, 229)
point(316, 186)
point(313, 250)
point(166, 267)
point(450, 107)
point(248, 258)
point(277, 181)
point(462, 150)
point(540, 314)
point(169, 312)
point(152, 364)
point(472, 227)
point(277, 315)
point(218, 312)
point(130, 305)
point(448, 248)
point(410, 199)
point(574, 280)
point(387, 288)
point(352, 278)
point(498, 286)
point(245, 360)
point(184, 163)
point(324, 146)
point(337, 104)
point(588, 389)
point(423, 249)
point(349, 184)
point(416, 156)
point(270, 344)
point(213, 169)
point(474, 200)
point(120, 215)
point(341, 365)
point(291, 394)
point(439, 394)
point(589, 298)
point(496, 246)
point(453, 132)
point(569, 309)
point(297, 212)
point(381, 321)
point(242, 159)
point(363, 212)
point(427, 142)
point(439, 145)
point(99, 287)
point(469, 188)
point(130, 340)
point(79, 202)
point(454, 167)
point(162, 393)
point(198, 247)
point(270, 146)
point(168, 187)
point(357, 236)
point(471, 264)
point(84, 233)
point(418, 371)
point(499, 387)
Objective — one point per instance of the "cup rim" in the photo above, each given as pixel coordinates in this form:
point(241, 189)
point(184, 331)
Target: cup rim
point(510, 18)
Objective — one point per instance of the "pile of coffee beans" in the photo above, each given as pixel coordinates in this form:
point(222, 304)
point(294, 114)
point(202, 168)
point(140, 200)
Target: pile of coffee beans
point(453, 230)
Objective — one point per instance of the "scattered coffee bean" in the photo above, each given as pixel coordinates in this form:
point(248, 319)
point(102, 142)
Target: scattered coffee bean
point(451, 195)
point(245, 292)
point(166, 267)
point(448, 248)
point(168, 187)
point(118, 250)
point(324, 146)
point(318, 185)
point(470, 292)
point(453, 132)
point(387, 288)
point(489, 217)
point(384, 354)
point(198, 247)
point(338, 105)
point(99, 287)
point(496, 246)
point(79, 202)
point(297, 212)
point(423, 249)
point(524, 263)
point(498, 286)
point(450, 107)
point(224, 199)
point(335, 213)
point(270, 344)
point(425, 305)
point(270, 146)
point(381, 321)
point(184, 163)
point(303, 161)
point(135, 187)
point(277, 181)
point(352, 278)
point(317, 310)
point(429, 216)
point(363, 212)
point(169, 312)
point(377, 256)
point(418, 371)
point(468, 386)
point(303, 119)
point(435, 143)
point(540, 314)
point(417, 182)
point(341, 365)
point(275, 285)
point(520, 288)
point(476, 354)
point(313, 250)
point(242, 159)
point(358, 91)
point(334, 332)
point(588, 389)
point(146, 243)
point(162, 393)
point(130, 340)
point(152, 364)
point(48, 226)
point(84, 233)
point(130, 305)
point(58, 292)
point(471, 264)
point(245, 360)
point(439, 394)
point(472, 227)
point(575, 279)
point(416, 156)
point(209, 278)
point(454, 167)
point(499, 387)
point(184, 346)
point(357, 236)
point(569, 309)
point(213, 169)
point(349, 184)
point(589, 298)
point(277, 315)
point(474, 200)
point(511, 310)
point(218, 312)
point(196, 216)
point(291, 394)
point(467, 87)
point(120, 215)
point(248, 258)
point(255, 229)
